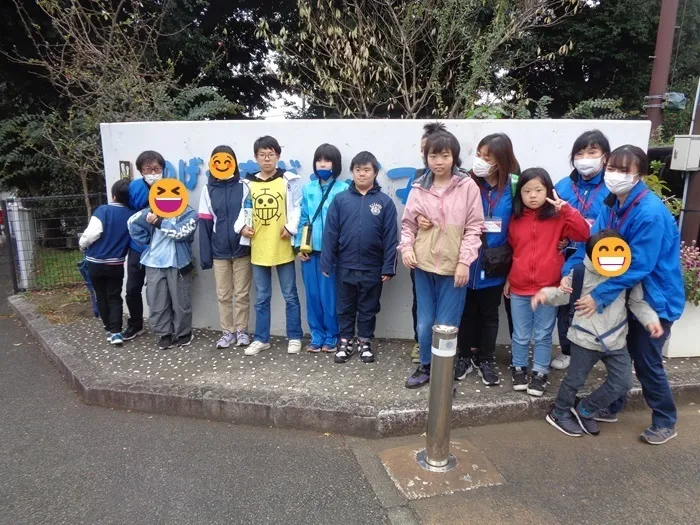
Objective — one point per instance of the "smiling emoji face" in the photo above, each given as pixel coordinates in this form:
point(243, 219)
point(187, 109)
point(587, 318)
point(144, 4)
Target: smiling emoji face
point(611, 257)
point(168, 198)
point(222, 165)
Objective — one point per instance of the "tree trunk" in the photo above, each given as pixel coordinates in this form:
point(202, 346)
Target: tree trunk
point(86, 194)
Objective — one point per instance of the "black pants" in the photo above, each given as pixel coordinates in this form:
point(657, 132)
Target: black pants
point(135, 277)
point(107, 281)
point(563, 328)
point(358, 293)
point(478, 328)
point(506, 304)
point(414, 309)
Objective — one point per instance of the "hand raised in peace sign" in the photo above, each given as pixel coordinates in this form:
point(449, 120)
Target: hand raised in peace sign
point(556, 202)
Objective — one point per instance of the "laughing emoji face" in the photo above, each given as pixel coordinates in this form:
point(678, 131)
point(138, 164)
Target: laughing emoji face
point(222, 165)
point(611, 257)
point(168, 198)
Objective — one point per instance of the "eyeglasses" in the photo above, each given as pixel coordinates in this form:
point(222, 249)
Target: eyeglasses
point(148, 170)
point(267, 156)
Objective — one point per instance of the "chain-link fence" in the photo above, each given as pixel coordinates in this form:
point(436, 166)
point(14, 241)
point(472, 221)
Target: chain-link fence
point(41, 239)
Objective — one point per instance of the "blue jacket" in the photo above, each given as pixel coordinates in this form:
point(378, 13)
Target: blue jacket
point(107, 235)
point(138, 200)
point(361, 232)
point(502, 203)
point(168, 243)
point(654, 240)
point(220, 204)
point(312, 194)
point(592, 192)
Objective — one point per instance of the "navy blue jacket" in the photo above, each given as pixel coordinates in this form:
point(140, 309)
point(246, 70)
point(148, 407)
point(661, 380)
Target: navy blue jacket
point(106, 239)
point(361, 232)
point(652, 234)
point(220, 204)
point(138, 200)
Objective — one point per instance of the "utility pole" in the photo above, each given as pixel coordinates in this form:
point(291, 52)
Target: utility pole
point(662, 61)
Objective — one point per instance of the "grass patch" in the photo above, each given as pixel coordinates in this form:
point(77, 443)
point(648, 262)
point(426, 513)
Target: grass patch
point(63, 306)
point(55, 267)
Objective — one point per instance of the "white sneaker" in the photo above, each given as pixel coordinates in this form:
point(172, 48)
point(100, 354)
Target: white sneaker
point(294, 346)
point(256, 347)
point(561, 362)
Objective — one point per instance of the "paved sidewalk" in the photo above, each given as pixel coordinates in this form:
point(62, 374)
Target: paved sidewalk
point(307, 391)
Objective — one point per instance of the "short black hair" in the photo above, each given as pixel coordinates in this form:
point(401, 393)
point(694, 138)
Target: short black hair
point(365, 157)
point(627, 155)
point(442, 141)
point(331, 153)
point(589, 139)
point(433, 127)
point(602, 234)
point(267, 142)
point(120, 191)
point(547, 210)
point(149, 156)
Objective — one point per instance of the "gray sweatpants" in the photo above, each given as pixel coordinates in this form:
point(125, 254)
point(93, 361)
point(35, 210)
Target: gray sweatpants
point(169, 301)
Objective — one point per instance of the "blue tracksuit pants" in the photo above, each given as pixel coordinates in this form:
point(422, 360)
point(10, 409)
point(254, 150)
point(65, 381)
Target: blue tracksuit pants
point(320, 303)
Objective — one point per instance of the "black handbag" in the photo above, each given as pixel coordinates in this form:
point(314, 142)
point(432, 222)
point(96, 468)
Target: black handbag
point(497, 261)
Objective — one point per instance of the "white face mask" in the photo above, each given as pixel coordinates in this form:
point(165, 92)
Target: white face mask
point(153, 177)
point(620, 183)
point(481, 168)
point(588, 167)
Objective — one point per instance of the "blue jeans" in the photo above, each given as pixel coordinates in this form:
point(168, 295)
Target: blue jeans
point(439, 302)
point(529, 325)
point(649, 366)
point(320, 302)
point(262, 275)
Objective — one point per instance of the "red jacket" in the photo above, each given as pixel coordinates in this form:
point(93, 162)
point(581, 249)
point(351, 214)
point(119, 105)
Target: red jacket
point(536, 261)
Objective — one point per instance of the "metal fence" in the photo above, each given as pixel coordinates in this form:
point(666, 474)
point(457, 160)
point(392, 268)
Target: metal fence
point(41, 239)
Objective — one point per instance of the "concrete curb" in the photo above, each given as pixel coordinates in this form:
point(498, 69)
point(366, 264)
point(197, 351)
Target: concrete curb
point(303, 412)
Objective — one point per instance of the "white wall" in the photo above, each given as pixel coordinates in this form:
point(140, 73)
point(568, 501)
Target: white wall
point(396, 143)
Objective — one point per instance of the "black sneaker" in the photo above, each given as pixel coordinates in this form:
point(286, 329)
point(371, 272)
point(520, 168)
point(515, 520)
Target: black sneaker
point(131, 332)
point(566, 424)
point(165, 342)
point(422, 377)
point(488, 374)
point(589, 425)
point(463, 368)
point(366, 352)
point(185, 340)
point(345, 351)
point(519, 378)
point(537, 385)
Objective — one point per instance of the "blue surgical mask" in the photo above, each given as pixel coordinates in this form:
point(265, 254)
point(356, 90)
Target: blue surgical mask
point(324, 174)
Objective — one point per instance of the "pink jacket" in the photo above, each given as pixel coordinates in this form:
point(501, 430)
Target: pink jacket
point(458, 219)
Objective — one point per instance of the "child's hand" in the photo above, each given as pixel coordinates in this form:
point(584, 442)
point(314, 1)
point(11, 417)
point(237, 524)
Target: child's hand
point(538, 299)
point(248, 232)
point(284, 234)
point(423, 222)
point(556, 202)
point(655, 330)
point(326, 274)
point(586, 306)
point(386, 278)
point(409, 259)
point(506, 290)
point(461, 275)
point(151, 218)
point(304, 257)
point(565, 285)
point(562, 244)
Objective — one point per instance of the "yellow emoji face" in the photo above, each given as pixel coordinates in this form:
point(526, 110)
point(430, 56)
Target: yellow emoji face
point(222, 165)
point(168, 198)
point(611, 257)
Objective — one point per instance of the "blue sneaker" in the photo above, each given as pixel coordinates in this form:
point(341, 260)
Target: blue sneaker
point(604, 415)
point(658, 436)
point(116, 339)
point(109, 336)
point(420, 377)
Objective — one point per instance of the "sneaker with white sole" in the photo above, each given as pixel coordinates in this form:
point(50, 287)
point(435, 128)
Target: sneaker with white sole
point(561, 362)
point(294, 346)
point(658, 436)
point(242, 338)
point(256, 347)
point(604, 415)
point(226, 340)
point(116, 339)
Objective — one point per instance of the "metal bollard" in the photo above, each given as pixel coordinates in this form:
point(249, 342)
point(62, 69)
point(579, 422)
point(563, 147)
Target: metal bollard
point(436, 457)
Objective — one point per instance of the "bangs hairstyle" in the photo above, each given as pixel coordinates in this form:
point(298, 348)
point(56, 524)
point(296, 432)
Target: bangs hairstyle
point(627, 156)
point(500, 147)
point(330, 153)
point(547, 210)
point(227, 149)
point(590, 139)
point(149, 157)
point(602, 234)
point(120, 191)
point(267, 142)
point(442, 141)
point(433, 127)
point(365, 157)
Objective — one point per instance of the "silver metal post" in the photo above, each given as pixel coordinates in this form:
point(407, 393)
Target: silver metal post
point(436, 456)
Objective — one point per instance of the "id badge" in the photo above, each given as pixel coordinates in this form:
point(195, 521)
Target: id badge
point(493, 224)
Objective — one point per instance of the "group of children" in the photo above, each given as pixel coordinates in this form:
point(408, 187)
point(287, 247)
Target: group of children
point(468, 237)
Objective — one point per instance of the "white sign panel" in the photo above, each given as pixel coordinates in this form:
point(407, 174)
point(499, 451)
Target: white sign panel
point(396, 143)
